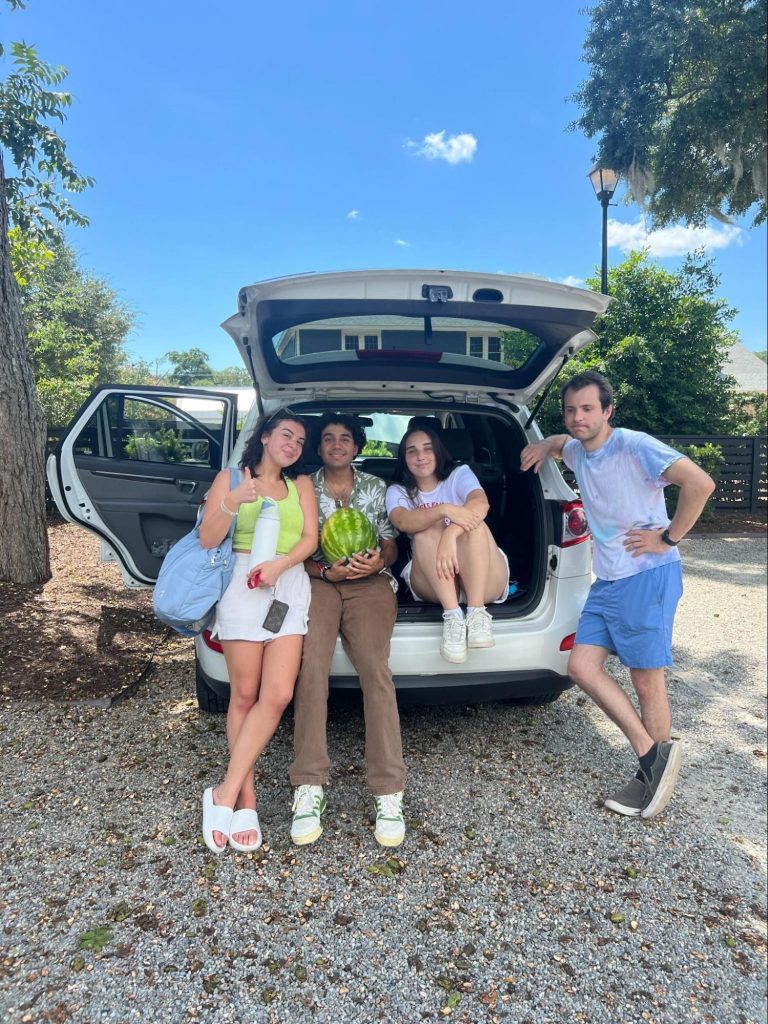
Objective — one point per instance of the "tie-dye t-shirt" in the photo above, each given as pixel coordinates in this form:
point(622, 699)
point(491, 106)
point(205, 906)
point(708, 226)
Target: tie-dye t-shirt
point(622, 487)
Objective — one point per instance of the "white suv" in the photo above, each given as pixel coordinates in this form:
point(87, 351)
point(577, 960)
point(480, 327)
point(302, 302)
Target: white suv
point(466, 351)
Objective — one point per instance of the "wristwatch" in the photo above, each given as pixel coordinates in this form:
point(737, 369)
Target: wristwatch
point(668, 540)
point(324, 567)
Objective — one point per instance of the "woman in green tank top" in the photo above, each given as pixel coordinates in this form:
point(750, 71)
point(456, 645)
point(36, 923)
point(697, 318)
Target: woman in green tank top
point(262, 661)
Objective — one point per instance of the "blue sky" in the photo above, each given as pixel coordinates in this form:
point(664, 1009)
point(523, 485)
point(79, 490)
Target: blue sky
point(237, 141)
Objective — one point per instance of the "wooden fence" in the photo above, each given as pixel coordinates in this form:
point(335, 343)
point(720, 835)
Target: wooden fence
point(743, 483)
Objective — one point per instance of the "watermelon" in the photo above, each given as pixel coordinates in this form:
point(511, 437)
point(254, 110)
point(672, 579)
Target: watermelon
point(345, 533)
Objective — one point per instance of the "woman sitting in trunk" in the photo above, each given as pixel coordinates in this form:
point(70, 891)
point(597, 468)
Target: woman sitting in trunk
point(442, 508)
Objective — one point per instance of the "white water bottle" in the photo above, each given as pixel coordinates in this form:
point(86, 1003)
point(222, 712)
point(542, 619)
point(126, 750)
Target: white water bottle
point(265, 533)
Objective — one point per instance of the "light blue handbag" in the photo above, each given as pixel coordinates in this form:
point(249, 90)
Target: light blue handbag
point(192, 578)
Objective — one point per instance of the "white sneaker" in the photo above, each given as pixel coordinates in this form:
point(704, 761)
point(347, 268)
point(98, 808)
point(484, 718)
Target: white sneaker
point(453, 645)
point(390, 824)
point(308, 805)
point(479, 624)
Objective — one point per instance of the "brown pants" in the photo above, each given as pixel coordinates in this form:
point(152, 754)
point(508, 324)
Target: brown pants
point(364, 613)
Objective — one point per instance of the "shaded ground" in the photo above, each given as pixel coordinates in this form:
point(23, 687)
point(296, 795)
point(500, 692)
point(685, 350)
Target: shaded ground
point(81, 635)
point(85, 635)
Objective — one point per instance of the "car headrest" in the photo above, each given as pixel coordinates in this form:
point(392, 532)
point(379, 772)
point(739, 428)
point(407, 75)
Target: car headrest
point(415, 422)
point(459, 444)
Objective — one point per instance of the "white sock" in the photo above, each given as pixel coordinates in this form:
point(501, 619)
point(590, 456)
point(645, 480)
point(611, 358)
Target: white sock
point(470, 609)
point(453, 611)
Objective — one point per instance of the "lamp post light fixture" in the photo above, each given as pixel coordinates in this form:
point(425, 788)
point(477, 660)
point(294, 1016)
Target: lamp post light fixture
point(604, 182)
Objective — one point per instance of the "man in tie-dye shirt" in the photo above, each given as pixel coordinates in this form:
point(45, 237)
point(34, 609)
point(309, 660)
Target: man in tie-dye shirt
point(631, 606)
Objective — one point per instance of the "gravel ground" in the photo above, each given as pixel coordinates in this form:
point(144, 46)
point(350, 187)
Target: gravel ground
point(514, 898)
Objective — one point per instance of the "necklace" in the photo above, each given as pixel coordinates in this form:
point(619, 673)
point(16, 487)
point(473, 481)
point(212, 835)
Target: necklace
point(342, 496)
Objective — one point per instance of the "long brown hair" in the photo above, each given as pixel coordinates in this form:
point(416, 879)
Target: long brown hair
point(444, 462)
point(254, 446)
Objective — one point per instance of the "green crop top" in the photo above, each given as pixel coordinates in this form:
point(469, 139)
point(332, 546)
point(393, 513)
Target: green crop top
point(291, 521)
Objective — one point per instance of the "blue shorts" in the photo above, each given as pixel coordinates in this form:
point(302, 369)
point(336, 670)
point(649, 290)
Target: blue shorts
point(633, 617)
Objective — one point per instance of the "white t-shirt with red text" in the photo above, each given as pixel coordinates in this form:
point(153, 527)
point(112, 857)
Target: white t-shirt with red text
point(454, 490)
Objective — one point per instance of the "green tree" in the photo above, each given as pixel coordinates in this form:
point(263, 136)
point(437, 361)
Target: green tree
point(76, 327)
point(31, 199)
point(517, 346)
point(189, 367)
point(232, 376)
point(137, 371)
point(677, 95)
point(762, 354)
point(662, 343)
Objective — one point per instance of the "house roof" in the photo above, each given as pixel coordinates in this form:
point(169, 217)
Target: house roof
point(750, 371)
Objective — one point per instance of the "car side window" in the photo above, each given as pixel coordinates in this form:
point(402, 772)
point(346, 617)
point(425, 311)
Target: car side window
point(170, 429)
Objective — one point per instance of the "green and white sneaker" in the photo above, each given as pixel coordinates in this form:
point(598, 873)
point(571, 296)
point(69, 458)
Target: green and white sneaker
point(390, 824)
point(308, 806)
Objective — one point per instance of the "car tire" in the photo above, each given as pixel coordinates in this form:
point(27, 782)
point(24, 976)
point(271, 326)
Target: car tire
point(208, 699)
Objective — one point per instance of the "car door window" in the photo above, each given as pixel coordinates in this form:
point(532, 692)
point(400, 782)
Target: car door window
point(169, 429)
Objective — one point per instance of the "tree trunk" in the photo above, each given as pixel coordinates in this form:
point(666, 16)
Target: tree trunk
point(23, 528)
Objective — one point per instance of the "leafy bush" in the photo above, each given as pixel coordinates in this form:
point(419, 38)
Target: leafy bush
point(376, 448)
point(161, 446)
point(749, 414)
point(711, 459)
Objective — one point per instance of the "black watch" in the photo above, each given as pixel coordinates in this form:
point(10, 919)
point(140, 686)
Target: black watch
point(324, 567)
point(668, 540)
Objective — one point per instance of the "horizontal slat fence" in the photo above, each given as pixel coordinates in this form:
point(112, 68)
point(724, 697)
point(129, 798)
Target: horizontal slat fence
point(743, 483)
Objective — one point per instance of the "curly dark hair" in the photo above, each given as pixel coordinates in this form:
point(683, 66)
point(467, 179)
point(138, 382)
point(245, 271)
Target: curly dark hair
point(444, 462)
point(350, 423)
point(254, 448)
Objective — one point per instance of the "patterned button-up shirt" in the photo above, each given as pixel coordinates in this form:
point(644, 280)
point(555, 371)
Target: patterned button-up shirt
point(367, 497)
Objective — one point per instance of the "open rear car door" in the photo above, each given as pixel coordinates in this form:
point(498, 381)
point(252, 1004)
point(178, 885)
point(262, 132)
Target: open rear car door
point(134, 465)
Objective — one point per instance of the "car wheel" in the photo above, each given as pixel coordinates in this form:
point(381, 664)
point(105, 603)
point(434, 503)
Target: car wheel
point(208, 699)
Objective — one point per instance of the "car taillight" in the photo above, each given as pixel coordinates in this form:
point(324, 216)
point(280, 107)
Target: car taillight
point(210, 642)
point(566, 644)
point(575, 525)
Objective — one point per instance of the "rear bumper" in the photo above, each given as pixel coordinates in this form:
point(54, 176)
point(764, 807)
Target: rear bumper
point(467, 688)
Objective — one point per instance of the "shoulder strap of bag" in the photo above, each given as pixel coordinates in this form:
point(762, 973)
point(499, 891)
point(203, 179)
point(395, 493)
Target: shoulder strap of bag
point(235, 475)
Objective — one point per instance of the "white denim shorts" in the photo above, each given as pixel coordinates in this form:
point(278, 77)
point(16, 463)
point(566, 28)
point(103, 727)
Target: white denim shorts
point(405, 576)
point(241, 612)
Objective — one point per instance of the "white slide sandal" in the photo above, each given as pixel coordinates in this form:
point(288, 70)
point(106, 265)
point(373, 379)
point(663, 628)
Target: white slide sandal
point(245, 820)
point(216, 818)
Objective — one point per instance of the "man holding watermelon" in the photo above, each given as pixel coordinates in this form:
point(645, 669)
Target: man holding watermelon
point(353, 595)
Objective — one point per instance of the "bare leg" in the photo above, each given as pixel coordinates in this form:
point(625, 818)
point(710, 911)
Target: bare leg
point(424, 579)
point(482, 568)
point(244, 659)
point(280, 666)
point(585, 667)
point(651, 689)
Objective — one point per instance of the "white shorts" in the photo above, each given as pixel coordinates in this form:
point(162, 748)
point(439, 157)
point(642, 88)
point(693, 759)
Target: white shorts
point(240, 612)
point(405, 576)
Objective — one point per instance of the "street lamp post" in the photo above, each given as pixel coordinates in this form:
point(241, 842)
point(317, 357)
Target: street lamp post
point(604, 182)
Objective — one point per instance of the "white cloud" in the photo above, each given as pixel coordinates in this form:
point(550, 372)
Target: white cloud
point(673, 241)
point(455, 149)
point(353, 215)
point(401, 241)
point(574, 282)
